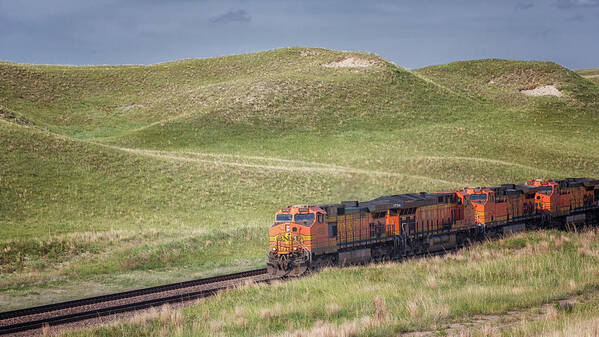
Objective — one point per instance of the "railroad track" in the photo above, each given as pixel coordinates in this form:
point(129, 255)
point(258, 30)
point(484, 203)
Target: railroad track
point(30, 319)
point(35, 318)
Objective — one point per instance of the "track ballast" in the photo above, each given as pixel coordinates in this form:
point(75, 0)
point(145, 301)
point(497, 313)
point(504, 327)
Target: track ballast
point(50, 315)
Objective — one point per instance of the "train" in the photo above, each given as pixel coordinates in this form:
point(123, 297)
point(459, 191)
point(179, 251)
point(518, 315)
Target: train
point(305, 238)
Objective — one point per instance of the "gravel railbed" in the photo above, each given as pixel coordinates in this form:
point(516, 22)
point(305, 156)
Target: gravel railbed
point(97, 321)
point(124, 301)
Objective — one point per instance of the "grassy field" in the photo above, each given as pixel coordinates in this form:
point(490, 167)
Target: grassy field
point(116, 177)
point(535, 284)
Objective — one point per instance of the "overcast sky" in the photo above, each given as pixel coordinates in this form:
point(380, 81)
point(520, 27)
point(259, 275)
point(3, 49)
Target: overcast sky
point(410, 33)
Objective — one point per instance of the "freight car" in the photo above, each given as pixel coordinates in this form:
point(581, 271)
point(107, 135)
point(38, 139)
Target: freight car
point(305, 238)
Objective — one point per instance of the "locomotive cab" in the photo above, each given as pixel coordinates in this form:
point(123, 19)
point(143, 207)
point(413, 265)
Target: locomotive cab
point(292, 238)
point(546, 198)
point(482, 201)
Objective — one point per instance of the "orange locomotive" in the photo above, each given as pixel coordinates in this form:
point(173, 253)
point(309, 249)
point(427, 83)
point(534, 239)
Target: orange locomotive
point(396, 226)
point(558, 198)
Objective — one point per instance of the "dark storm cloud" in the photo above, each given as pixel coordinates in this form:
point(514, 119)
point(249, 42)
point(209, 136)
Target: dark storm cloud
point(524, 6)
point(577, 3)
point(410, 33)
point(234, 15)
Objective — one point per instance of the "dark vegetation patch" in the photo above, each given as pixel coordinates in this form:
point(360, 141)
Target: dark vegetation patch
point(13, 117)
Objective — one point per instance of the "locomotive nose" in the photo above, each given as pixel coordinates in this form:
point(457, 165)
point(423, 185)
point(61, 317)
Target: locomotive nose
point(288, 240)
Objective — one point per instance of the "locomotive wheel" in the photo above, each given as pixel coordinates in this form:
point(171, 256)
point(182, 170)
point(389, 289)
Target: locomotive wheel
point(298, 270)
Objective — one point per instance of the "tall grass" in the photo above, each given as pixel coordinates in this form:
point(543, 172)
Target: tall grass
point(516, 277)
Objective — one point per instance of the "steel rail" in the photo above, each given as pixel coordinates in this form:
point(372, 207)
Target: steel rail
point(110, 310)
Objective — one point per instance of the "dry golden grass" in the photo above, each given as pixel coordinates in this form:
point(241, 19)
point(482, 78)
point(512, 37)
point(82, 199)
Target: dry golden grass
point(517, 290)
point(414, 309)
point(215, 325)
point(489, 331)
point(588, 328)
point(381, 312)
point(239, 316)
point(332, 309)
point(345, 329)
point(499, 285)
point(275, 311)
point(46, 330)
point(431, 281)
point(551, 313)
point(573, 285)
point(142, 318)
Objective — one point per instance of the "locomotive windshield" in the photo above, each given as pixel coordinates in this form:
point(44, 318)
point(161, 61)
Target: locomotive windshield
point(479, 198)
point(545, 189)
point(301, 218)
point(284, 217)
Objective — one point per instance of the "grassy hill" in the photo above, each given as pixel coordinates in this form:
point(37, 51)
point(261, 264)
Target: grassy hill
point(121, 176)
point(500, 81)
point(591, 73)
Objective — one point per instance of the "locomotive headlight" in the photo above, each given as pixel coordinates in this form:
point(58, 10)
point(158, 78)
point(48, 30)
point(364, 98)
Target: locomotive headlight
point(287, 228)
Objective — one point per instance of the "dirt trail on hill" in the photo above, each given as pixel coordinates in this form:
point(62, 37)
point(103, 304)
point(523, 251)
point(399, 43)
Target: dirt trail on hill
point(270, 159)
point(308, 167)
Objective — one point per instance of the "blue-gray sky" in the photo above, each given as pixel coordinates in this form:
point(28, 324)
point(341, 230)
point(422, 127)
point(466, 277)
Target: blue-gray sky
point(410, 33)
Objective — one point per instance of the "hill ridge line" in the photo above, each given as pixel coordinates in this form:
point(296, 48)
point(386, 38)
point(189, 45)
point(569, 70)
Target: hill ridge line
point(428, 80)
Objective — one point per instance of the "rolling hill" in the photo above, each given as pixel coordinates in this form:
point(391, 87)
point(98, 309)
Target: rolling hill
point(119, 176)
point(591, 73)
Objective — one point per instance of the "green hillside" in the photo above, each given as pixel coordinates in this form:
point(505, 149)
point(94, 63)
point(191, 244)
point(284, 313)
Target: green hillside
point(119, 176)
point(499, 81)
point(591, 73)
